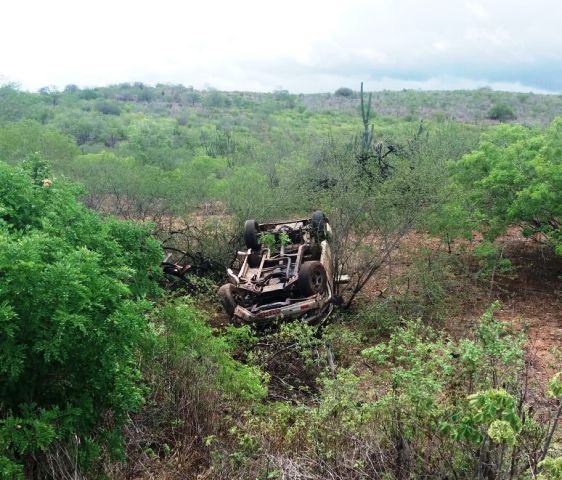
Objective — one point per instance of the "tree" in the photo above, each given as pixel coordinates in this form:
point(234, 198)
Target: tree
point(515, 176)
point(285, 98)
point(501, 112)
point(71, 88)
point(88, 94)
point(370, 214)
point(108, 108)
point(20, 139)
point(344, 92)
point(150, 142)
point(51, 94)
point(193, 97)
point(112, 131)
point(85, 127)
point(215, 99)
point(17, 105)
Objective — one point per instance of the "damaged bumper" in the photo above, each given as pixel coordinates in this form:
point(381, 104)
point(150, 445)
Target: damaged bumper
point(312, 308)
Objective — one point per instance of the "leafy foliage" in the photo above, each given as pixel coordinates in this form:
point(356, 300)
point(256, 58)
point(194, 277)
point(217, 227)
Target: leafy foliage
point(20, 139)
point(72, 317)
point(377, 395)
point(501, 111)
point(185, 338)
point(515, 176)
point(430, 406)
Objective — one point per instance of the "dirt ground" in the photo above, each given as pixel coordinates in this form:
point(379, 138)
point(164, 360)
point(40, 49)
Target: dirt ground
point(530, 295)
point(533, 296)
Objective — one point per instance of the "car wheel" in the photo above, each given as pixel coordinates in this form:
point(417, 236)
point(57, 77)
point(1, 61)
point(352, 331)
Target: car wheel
point(226, 293)
point(312, 278)
point(318, 223)
point(251, 231)
point(254, 260)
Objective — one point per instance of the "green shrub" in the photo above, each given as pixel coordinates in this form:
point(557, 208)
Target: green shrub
point(501, 111)
point(344, 92)
point(420, 405)
point(18, 140)
point(193, 381)
point(71, 319)
point(515, 176)
point(551, 469)
point(108, 108)
point(185, 338)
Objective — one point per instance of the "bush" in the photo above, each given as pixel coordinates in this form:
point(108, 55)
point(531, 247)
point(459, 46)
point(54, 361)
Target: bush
point(88, 94)
point(513, 177)
point(194, 379)
point(71, 320)
point(108, 108)
point(216, 99)
point(344, 92)
point(501, 112)
point(20, 139)
point(428, 407)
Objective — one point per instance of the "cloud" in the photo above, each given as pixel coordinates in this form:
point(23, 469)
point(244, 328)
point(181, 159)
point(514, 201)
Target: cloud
point(304, 46)
point(478, 11)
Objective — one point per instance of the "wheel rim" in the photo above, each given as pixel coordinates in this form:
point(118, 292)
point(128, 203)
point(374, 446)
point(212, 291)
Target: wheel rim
point(238, 298)
point(317, 280)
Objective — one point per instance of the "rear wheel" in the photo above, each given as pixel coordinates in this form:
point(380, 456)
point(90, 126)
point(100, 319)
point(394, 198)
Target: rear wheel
point(254, 260)
point(251, 231)
point(312, 279)
point(228, 300)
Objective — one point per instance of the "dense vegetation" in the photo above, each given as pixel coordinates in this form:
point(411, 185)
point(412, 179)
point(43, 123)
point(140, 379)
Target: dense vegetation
point(103, 374)
point(74, 301)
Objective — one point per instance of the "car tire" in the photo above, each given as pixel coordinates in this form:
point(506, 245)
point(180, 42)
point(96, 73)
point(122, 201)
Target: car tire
point(318, 224)
point(254, 260)
point(315, 252)
point(251, 231)
point(312, 279)
point(226, 294)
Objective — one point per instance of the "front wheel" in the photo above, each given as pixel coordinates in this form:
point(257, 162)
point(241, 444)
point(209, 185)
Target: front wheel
point(312, 279)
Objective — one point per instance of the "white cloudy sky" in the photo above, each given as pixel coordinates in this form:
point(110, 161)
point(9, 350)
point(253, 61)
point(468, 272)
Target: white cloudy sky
point(302, 46)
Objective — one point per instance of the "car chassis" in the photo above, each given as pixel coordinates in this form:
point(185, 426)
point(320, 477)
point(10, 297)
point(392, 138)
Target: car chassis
point(293, 281)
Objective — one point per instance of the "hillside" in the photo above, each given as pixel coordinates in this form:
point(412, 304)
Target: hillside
point(441, 358)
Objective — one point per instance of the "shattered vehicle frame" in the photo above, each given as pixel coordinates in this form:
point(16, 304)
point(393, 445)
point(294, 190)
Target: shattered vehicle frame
point(285, 273)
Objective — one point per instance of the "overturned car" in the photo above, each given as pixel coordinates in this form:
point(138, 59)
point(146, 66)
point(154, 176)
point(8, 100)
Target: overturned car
point(285, 273)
